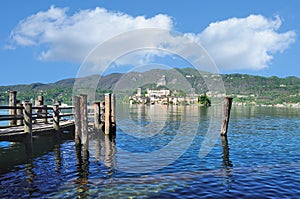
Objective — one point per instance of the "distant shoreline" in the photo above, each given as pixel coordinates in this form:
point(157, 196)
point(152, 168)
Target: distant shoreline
point(287, 105)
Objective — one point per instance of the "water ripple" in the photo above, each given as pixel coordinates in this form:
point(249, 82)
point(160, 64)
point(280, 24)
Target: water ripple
point(260, 159)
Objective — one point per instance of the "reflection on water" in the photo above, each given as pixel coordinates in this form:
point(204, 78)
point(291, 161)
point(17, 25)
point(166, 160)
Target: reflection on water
point(227, 164)
point(260, 158)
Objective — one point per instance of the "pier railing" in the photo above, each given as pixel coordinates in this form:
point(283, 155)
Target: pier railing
point(26, 115)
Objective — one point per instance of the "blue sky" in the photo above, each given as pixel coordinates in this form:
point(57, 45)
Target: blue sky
point(46, 41)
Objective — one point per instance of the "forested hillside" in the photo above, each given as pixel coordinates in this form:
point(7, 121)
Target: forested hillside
point(244, 88)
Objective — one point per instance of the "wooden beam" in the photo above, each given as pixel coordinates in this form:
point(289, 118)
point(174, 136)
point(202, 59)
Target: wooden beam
point(13, 103)
point(84, 121)
point(28, 118)
point(20, 113)
point(77, 118)
point(107, 116)
point(96, 114)
point(56, 117)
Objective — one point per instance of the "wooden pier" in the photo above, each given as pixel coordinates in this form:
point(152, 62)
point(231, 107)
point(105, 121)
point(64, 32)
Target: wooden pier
point(17, 133)
point(27, 121)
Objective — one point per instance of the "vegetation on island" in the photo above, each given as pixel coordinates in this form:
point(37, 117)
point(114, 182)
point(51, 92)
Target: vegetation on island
point(204, 100)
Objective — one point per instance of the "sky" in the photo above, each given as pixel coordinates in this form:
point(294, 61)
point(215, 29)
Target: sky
point(46, 41)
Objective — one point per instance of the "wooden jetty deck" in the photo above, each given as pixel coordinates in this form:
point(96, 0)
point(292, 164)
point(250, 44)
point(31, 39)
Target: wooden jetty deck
point(26, 121)
point(17, 132)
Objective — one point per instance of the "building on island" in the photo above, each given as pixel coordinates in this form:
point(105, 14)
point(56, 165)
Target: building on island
point(162, 95)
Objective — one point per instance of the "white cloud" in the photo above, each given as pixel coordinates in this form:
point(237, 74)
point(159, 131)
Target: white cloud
point(244, 43)
point(234, 44)
point(71, 37)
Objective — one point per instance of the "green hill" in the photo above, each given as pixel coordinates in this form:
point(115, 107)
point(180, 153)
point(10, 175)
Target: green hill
point(244, 88)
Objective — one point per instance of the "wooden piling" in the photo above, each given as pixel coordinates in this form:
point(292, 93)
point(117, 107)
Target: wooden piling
point(227, 108)
point(84, 120)
point(113, 108)
point(96, 114)
point(40, 100)
point(45, 113)
point(20, 114)
point(77, 119)
point(56, 117)
point(107, 116)
point(13, 103)
point(28, 118)
point(102, 112)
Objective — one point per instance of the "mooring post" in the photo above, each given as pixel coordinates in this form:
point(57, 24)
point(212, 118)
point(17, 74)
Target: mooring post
point(84, 121)
point(28, 118)
point(40, 100)
point(107, 113)
point(20, 114)
point(113, 108)
point(96, 114)
point(56, 117)
point(13, 103)
point(102, 112)
point(227, 108)
point(77, 119)
point(45, 113)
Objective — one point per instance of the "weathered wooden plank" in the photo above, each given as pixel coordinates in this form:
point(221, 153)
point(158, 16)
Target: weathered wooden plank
point(41, 128)
point(96, 114)
point(77, 118)
point(20, 114)
point(13, 103)
point(56, 117)
point(5, 118)
point(28, 118)
point(45, 114)
point(107, 113)
point(66, 107)
point(84, 120)
point(8, 107)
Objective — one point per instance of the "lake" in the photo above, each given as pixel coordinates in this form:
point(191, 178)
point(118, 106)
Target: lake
point(3, 112)
point(156, 154)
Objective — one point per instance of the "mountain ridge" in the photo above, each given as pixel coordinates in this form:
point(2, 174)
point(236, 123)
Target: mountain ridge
point(244, 87)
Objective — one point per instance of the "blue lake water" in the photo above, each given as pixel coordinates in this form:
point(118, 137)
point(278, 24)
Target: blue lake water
point(260, 158)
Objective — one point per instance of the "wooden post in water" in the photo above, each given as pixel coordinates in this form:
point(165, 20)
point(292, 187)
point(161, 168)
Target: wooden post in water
point(227, 108)
point(113, 107)
point(96, 114)
point(107, 116)
point(20, 114)
point(102, 112)
point(77, 118)
point(84, 121)
point(40, 100)
point(56, 117)
point(28, 118)
point(13, 103)
point(45, 113)
point(101, 116)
